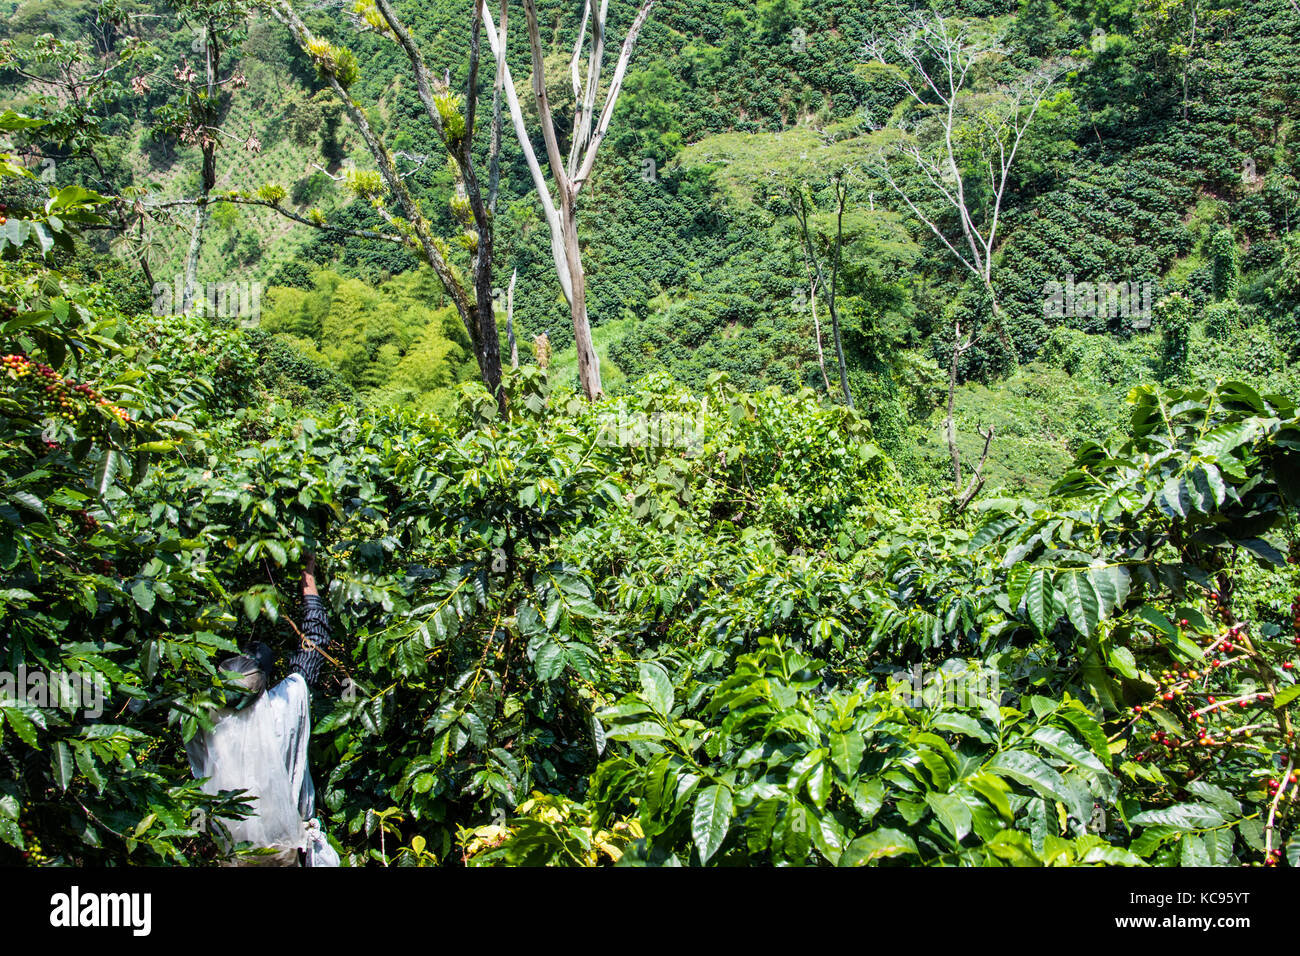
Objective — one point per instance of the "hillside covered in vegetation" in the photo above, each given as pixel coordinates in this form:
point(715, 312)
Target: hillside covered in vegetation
point(800, 433)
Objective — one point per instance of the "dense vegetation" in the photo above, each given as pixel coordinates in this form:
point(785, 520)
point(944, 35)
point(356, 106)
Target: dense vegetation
point(718, 616)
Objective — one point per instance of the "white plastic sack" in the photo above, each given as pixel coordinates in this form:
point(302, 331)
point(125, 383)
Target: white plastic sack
point(319, 851)
point(263, 749)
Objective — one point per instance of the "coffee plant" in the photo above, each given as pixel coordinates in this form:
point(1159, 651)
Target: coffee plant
point(714, 618)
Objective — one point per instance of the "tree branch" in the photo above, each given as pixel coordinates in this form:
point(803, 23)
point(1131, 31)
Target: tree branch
point(287, 213)
point(977, 478)
point(544, 105)
point(530, 157)
point(615, 87)
point(283, 12)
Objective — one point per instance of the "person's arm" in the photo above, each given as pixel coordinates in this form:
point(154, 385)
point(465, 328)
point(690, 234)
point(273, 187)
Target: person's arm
point(315, 627)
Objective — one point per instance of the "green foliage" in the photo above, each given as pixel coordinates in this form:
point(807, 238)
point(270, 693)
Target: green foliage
point(1224, 321)
point(770, 771)
point(335, 61)
point(610, 617)
point(680, 625)
point(1225, 264)
point(386, 343)
point(759, 754)
point(1174, 319)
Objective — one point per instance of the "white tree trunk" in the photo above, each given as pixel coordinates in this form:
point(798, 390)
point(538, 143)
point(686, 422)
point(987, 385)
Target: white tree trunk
point(572, 175)
point(817, 334)
point(192, 256)
point(510, 320)
point(530, 157)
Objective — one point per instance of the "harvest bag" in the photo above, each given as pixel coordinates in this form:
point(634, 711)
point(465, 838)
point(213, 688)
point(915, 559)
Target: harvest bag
point(263, 749)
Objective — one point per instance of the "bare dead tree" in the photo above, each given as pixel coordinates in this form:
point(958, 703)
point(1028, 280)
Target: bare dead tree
point(817, 326)
point(977, 477)
point(494, 175)
point(570, 174)
point(799, 206)
point(964, 498)
point(959, 348)
point(494, 148)
point(510, 320)
point(454, 126)
point(933, 59)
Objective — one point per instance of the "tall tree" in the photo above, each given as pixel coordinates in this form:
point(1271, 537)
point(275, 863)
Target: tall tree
point(454, 125)
point(1180, 32)
point(817, 327)
point(196, 113)
point(572, 174)
point(963, 147)
point(800, 207)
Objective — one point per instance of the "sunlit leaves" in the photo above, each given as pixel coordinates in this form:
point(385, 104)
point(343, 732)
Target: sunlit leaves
point(1038, 598)
point(877, 845)
point(1082, 603)
point(710, 820)
point(656, 686)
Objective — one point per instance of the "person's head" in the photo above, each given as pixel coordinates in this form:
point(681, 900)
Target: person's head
point(246, 675)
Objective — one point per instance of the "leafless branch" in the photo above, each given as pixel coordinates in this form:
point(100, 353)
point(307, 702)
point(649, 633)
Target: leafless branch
point(977, 478)
point(940, 55)
point(277, 207)
point(569, 177)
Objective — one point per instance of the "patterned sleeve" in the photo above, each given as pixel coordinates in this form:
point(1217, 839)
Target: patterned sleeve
point(316, 627)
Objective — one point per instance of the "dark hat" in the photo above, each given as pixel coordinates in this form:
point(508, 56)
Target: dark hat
point(251, 670)
point(264, 656)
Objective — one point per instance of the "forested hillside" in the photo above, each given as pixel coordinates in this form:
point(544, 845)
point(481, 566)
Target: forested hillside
point(778, 432)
